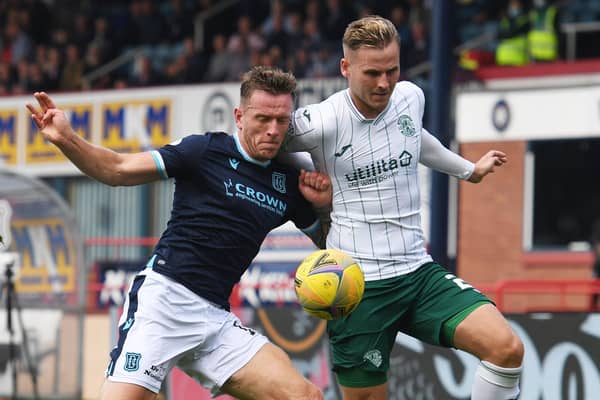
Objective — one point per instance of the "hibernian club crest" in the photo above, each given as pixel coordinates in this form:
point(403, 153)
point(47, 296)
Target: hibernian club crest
point(374, 357)
point(406, 125)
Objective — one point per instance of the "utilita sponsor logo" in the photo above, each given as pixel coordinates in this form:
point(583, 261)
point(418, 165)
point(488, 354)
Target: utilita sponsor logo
point(378, 171)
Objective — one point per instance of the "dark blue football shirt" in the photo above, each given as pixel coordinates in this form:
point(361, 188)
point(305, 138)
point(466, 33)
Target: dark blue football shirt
point(224, 205)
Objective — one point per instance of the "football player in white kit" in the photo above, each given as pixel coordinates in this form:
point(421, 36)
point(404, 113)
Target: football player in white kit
point(369, 138)
point(229, 193)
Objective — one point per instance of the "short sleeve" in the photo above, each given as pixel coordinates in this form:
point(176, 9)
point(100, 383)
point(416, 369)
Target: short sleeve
point(180, 157)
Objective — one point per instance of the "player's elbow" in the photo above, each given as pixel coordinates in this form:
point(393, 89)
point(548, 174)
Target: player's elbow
point(114, 176)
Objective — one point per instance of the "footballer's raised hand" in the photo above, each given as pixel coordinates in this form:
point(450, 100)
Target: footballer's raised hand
point(316, 188)
point(52, 121)
point(487, 164)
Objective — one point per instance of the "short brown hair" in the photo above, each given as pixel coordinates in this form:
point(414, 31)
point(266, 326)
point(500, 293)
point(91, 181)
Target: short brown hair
point(370, 31)
point(270, 79)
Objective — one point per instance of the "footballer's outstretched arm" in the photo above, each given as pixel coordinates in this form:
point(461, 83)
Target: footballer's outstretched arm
point(100, 163)
point(435, 155)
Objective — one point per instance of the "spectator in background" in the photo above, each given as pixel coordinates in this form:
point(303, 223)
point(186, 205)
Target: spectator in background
point(217, 65)
point(299, 63)
point(6, 77)
point(174, 72)
point(337, 17)
point(40, 54)
point(398, 18)
point(22, 73)
point(418, 11)
point(52, 68)
point(364, 10)
point(543, 36)
point(60, 39)
point(40, 19)
point(418, 52)
point(81, 34)
point(179, 21)
point(195, 60)
point(17, 45)
point(313, 11)
point(239, 60)
point(102, 39)
point(294, 28)
point(312, 39)
point(595, 244)
point(512, 35)
point(277, 57)
point(187, 67)
point(36, 81)
point(277, 11)
point(143, 73)
point(149, 24)
point(72, 71)
point(277, 36)
point(324, 64)
point(245, 39)
point(93, 61)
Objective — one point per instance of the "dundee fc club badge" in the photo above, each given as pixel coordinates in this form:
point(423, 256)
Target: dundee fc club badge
point(279, 182)
point(132, 361)
point(406, 125)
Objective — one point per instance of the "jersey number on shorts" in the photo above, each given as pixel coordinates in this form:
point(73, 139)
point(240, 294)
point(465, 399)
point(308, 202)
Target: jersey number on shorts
point(459, 282)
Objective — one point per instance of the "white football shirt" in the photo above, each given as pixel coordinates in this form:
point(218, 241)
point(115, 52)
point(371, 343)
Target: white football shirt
point(373, 164)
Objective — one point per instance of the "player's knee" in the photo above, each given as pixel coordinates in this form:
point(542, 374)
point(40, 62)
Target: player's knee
point(509, 351)
point(515, 351)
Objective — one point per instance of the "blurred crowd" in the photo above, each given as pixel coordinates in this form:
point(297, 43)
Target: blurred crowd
point(59, 45)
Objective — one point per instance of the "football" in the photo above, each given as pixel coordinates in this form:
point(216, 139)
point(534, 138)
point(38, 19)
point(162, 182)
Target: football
point(329, 284)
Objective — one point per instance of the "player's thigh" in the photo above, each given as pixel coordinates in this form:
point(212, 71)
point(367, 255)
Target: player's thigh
point(365, 338)
point(125, 391)
point(442, 297)
point(486, 334)
point(270, 374)
point(378, 392)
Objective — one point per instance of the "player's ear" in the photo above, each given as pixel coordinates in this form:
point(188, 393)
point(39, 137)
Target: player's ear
point(237, 114)
point(344, 67)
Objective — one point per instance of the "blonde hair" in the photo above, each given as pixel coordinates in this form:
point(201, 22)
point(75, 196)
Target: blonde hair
point(370, 31)
point(270, 79)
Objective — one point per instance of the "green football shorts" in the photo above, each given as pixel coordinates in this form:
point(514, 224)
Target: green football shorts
point(426, 304)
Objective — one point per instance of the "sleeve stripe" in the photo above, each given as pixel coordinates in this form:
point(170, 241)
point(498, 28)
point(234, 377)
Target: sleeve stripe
point(313, 228)
point(160, 165)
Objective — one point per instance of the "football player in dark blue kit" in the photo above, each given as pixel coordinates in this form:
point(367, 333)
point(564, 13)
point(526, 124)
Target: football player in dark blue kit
point(229, 193)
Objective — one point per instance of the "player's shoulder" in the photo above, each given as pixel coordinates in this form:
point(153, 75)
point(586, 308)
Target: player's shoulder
point(328, 105)
point(200, 143)
point(408, 88)
point(406, 91)
point(209, 138)
point(337, 101)
point(217, 136)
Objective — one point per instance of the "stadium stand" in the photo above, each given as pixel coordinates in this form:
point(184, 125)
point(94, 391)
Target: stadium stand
point(102, 45)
